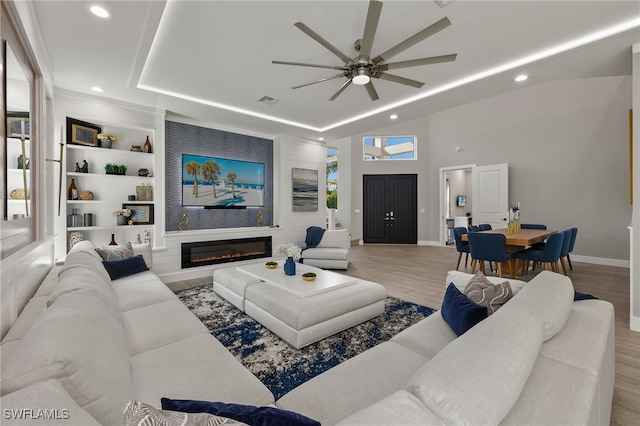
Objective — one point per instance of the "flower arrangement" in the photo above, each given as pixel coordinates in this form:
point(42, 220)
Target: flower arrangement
point(109, 136)
point(289, 250)
point(122, 212)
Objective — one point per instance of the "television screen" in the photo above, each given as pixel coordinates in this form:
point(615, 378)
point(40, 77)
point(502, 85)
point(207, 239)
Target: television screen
point(220, 182)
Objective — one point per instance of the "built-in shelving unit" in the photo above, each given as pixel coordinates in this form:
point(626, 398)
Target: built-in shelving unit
point(110, 192)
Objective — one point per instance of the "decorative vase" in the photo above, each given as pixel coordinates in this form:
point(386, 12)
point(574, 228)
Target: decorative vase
point(290, 266)
point(121, 220)
point(113, 240)
point(74, 238)
point(105, 143)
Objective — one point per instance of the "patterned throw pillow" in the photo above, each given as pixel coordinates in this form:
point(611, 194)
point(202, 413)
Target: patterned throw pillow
point(141, 414)
point(115, 252)
point(483, 292)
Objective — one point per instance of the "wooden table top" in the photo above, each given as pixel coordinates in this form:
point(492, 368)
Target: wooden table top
point(522, 238)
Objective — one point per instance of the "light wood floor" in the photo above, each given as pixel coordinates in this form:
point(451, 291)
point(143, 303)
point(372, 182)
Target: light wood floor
point(417, 274)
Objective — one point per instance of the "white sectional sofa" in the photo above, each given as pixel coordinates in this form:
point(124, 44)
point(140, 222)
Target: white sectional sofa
point(540, 359)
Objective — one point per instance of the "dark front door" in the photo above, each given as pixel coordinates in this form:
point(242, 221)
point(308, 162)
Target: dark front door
point(390, 209)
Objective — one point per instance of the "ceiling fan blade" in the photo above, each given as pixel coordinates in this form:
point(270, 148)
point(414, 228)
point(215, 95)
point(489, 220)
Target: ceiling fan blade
point(398, 79)
point(302, 64)
point(371, 91)
point(340, 90)
point(370, 27)
point(317, 37)
point(418, 62)
point(318, 81)
point(414, 39)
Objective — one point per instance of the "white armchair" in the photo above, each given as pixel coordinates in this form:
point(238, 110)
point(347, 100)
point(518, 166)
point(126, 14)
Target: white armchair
point(332, 252)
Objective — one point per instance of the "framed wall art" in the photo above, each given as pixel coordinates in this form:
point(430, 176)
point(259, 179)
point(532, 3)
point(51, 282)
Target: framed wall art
point(304, 188)
point(142, 213)
point(82, 133)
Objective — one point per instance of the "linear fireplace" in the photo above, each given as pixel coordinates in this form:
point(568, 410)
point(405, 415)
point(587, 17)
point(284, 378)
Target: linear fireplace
point(203, 253)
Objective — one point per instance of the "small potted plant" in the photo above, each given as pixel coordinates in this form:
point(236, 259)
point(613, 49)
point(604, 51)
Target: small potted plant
point(122, 216)
point(106, 139)
point(115, 169)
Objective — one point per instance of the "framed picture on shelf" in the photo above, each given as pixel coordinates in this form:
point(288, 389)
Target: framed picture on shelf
point(142, 213)
point(82, 133)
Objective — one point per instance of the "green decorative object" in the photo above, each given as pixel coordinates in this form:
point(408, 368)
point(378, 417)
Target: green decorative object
point(115, 169)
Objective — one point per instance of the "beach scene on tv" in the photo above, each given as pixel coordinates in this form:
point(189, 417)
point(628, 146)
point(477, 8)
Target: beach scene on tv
point(220, 182)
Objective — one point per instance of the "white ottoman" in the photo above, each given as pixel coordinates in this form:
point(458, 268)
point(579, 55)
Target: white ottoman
point(301, 321)
point(231, 285)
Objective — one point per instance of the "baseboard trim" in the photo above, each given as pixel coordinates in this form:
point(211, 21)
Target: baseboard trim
point(634, 323)
point(601, 261)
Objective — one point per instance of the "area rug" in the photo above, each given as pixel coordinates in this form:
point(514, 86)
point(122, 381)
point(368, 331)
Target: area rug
point(280, 366)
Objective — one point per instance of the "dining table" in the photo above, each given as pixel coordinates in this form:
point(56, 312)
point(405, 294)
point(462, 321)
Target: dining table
point(518, 241)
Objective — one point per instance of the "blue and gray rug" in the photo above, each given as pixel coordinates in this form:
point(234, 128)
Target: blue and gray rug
point(279, 366)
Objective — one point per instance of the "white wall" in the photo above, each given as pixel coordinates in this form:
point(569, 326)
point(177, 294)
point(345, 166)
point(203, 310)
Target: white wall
point(566, 143)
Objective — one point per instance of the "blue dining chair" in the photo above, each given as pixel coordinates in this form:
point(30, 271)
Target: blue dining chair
point(548, 256)
point(574, 234)
point(461, 246)
point(532, 226)
point(474, 228)
point(489, 247)
point(484, 227)
point(564, 252)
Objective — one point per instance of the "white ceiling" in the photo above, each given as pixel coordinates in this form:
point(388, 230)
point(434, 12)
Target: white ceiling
point(217, 54)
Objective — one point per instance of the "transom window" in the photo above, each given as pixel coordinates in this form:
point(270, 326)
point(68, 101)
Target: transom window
point(389, 148)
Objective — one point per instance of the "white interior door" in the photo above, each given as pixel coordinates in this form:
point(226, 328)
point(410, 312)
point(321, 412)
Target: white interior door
point(491, 195)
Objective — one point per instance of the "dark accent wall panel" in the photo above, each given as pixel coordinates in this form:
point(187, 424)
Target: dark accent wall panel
point(183, 138)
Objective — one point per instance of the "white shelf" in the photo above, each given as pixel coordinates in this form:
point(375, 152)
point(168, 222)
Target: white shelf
point(108, 151)
point(103, 175)
point(108, 228)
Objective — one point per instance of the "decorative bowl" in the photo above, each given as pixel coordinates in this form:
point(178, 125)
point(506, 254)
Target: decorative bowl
point(271, 265)
point(309, 276)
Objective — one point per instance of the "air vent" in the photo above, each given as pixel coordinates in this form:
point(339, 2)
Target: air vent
point(443, 3)
point(268, 100)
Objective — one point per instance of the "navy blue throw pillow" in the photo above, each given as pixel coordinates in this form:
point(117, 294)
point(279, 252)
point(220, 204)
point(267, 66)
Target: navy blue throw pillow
point(125, 267)
point(459, 312)
point(254, 416)
point(582, 296)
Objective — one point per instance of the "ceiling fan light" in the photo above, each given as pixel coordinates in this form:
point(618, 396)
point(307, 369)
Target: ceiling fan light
point(361, 77)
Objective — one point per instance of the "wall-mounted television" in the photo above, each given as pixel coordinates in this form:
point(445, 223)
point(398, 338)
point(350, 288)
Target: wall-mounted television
point(221, 183)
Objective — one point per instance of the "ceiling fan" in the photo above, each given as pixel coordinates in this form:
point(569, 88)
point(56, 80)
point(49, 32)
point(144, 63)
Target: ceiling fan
point(361, 69)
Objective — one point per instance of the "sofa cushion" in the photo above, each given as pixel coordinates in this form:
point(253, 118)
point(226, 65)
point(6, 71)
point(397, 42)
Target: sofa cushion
point(483, 292)
point(80, 278)
point(548, 296)
point(201, 368)
point(335, 238)
point(124, 267)
point(478, 377)
point(460, 312)
point(427, 337)
point(77, 341)
point(461, 279)
point(49, 403)
point(141, 289)
point(146, 252)
point(140, 414)
point(84, 260)
point(87, 247)
point(399, 408)
point(49, 282)
point(26, 319)
point(326, 253)
point(248, 414)
point(153, 326)
point(115, 252)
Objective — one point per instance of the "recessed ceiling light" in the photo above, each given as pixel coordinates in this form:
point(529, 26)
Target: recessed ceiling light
point(393, 116)
point(100, 12)
point(320, 138)
point(521, 77)
point(97, 89)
